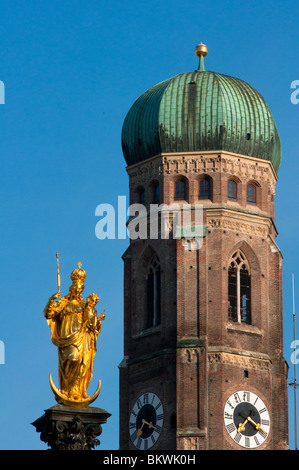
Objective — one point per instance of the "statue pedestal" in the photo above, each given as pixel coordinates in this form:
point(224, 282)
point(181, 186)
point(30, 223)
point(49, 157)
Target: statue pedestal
point(68, 428)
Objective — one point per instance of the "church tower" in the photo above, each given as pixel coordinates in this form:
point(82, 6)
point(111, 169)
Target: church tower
point(203, 364)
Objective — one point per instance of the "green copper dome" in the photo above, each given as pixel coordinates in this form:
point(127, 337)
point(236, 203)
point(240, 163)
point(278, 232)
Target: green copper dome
point(198, 111)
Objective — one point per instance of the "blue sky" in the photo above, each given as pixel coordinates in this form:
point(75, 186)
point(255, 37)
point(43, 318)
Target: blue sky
point(71, 70)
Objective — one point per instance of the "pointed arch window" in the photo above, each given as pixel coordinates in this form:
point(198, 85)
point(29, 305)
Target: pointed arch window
point(232, 190)
point(205, 188)
point(180, 189)
point(251, 194)
point(239, 289)
point(142, 196)
point(154, 293)
point(156, 198)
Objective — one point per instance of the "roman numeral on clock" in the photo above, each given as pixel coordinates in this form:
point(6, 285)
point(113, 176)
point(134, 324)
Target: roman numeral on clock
point(231, 427)
point(158, 406)
point(237, 398)
point(262, 434)
point(262, 410)
point(158, 429)
point(230, 405)
point(153, 398)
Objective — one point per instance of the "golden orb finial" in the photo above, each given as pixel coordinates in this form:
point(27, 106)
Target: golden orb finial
point(201, 50)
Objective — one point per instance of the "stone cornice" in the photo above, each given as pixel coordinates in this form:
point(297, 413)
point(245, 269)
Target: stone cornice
point(242, 166)
point(248, 359)
point(239, 220)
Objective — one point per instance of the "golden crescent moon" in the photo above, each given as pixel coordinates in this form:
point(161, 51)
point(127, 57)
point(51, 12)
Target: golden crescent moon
point(63, 399)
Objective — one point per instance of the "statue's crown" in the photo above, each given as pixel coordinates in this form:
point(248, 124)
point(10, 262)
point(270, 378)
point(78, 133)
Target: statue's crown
point(78, 275)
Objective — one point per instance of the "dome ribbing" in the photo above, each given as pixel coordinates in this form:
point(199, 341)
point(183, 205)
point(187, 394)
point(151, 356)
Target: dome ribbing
point(199, 111)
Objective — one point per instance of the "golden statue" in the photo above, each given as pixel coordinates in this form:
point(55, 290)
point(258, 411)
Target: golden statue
point(74, 329)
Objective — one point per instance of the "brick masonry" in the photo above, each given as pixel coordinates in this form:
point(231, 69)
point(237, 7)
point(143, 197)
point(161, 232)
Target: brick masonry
point(196, 358)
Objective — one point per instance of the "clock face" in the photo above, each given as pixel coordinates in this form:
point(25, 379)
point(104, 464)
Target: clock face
point(146, 421)
point(246, 419)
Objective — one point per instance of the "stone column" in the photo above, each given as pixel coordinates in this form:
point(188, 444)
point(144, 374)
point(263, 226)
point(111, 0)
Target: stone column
point(69, 428)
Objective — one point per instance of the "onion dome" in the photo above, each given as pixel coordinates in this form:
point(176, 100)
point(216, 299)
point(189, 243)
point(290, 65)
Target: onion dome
point(200, 111)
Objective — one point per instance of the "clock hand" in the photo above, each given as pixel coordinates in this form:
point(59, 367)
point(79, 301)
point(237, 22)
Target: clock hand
point(241, 426)
point(139, 431)
point(150, 424)
point(257, 425)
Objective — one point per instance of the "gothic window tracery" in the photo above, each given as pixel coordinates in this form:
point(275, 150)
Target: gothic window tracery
point(154, 293)
point(239, 290)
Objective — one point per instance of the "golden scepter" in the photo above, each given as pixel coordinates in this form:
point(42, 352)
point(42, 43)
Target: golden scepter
point(58, 274)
